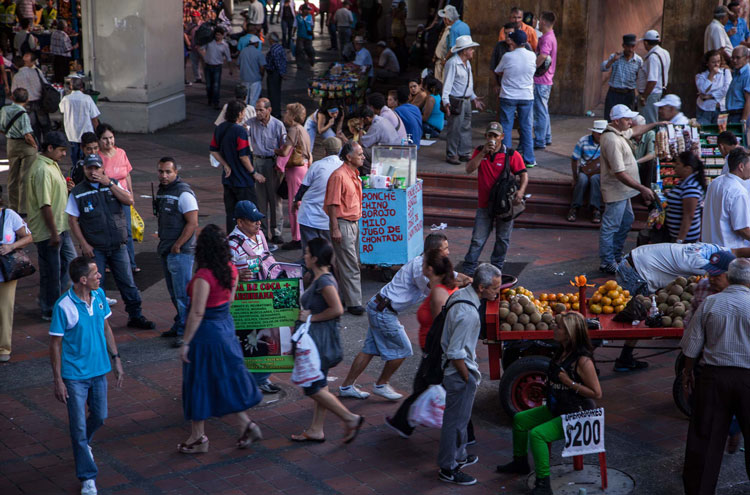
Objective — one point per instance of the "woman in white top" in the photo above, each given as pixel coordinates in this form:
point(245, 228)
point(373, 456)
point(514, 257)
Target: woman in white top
point(16, 235)
point(712, 85)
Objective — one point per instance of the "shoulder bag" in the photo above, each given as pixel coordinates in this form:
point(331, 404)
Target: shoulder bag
point(15, 264)
point(50, 100)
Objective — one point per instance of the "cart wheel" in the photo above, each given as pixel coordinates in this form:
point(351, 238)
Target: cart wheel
point(386, 274)
point(523, 384)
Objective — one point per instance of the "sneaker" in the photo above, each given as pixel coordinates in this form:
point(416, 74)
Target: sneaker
point(269, 388)
point(273, 247)
point(399, 431)
point(386, 391)
point(353, 391)
point(456, 476)
point(530, 165)
point(111, 301)
point(452, 160)
point(539, 147)
point(609, 268)
point(169, 333)
point(178, 342)
point(622, 365)
point(141, 322)
point(470, 459)
point(356, 310)
point(88, 488)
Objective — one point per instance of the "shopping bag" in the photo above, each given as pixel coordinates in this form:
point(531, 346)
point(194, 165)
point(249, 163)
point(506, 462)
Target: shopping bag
point(306, 369)
point(137, 225)
point(428, 409)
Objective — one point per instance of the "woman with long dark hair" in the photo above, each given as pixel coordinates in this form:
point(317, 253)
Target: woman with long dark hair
point(322, 303)
point(572, 386)
point(214, 379)
point(685, 200)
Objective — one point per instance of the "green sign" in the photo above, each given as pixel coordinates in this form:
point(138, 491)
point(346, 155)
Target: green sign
point(265, 312)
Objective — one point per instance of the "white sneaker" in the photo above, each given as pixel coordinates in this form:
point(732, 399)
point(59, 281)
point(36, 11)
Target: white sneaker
point(88, 488)
point(91, 452)
point(353, 391)
point(111, 301)
point(386, 391)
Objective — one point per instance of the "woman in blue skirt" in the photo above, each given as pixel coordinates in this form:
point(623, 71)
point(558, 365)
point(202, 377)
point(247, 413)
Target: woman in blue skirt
point(214, 379)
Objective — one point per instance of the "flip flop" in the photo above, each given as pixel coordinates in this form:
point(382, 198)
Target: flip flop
point(304, 437)
point(353, 432)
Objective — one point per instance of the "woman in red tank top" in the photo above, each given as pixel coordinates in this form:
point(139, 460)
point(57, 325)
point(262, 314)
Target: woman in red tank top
point(439, 270)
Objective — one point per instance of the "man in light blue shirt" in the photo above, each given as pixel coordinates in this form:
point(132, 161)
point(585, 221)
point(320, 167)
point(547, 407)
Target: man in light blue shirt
point(738, 102)
point(363, 57)
point(457, 26)
point(79, 343)
point(252, 68)
point(736, 27)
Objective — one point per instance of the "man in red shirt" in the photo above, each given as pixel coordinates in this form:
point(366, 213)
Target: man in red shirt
point(489, 159)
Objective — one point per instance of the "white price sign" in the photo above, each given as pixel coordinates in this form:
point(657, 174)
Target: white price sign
point(584, 432)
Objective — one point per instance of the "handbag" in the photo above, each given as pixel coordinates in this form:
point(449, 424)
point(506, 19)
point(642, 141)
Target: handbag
point(283, 190)
point(50, 100)
point(15, 264)
point(306, 369)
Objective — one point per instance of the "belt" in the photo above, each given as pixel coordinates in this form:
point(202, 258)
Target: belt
point(265, 157)
point(460, 97)
point(621, 90)
point(384, 302)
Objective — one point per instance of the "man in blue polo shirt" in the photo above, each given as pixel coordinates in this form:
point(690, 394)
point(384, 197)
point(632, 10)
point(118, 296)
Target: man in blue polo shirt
point(736, 26)
point(738, 104)
point(80, 341)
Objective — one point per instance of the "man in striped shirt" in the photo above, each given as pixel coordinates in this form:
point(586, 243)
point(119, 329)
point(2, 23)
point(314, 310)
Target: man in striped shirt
point(624, 67)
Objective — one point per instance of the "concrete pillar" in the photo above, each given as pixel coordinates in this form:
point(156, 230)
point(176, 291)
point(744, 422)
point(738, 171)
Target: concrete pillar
point(133, 51)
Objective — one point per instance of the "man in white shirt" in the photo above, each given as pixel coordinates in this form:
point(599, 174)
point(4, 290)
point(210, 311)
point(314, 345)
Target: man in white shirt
point(343, 19)
point(387, 62)
point(653, 76)
point(28, 77)
point(715, 37)
point(378, 104)
point(726, 209)
point(255, 13)
point(80, 115)
point(363, 57)
point(458, 93)
point(515, 74)
point(669, 110)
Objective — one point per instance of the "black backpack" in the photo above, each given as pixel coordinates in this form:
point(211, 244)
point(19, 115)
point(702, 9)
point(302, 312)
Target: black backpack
point(500, 203)
point(431, 367)
point(76, 172)
point(204, 34)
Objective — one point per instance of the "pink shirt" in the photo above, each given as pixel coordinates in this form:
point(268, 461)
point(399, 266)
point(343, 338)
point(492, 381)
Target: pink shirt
point(117, 167)
point(547, 46)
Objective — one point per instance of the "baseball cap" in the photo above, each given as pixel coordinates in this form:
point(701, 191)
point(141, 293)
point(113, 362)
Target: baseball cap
point(253, 39)
point(519, 37)
point(359, 39)
point(599, 126)
point(651, 35)
point(494, 128)
point(669, 100)
point(92, 160)
point(620, 112)
point(382, 43)
point(247, 209)
point(56, 139)
point(718, 264)
point(629, 39)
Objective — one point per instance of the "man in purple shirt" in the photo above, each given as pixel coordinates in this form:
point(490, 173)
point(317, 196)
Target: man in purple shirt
point(546, 61)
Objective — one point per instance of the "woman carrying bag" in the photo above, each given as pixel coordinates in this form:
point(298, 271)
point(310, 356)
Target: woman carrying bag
point(322, 304)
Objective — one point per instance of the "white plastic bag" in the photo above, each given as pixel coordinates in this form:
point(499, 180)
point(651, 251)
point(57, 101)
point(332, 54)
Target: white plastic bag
point(428, 409)
point(306, 358)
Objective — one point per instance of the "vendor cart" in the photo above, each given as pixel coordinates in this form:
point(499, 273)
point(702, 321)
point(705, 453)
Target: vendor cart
point(524, 356)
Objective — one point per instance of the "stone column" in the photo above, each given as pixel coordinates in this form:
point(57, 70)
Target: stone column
point(133, 52)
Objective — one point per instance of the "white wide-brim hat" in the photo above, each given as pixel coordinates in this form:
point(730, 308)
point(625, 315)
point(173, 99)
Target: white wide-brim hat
point(462, 43)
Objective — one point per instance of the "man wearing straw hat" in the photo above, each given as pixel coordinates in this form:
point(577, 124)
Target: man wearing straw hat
point(584, 164)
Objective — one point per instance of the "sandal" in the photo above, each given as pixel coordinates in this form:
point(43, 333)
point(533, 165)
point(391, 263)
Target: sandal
point(250, 434)
point(352, 433)
point(572, 215)
point(596, 217)
point(200, 446)
point(304, 437)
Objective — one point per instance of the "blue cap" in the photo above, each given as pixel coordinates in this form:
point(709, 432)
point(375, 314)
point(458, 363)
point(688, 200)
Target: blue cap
point(718, 264)
point(92, 161)
point(247, 209)
point(518, 37)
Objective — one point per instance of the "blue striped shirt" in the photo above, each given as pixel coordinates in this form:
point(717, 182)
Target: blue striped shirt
point(624, 71)
point(586, 150)
point(687, 188)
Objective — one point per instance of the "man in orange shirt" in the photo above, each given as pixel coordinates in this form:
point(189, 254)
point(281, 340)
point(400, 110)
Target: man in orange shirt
point(516, 17)
point(343, 204)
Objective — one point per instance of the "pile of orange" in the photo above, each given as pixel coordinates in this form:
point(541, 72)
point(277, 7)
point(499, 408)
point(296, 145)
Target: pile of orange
point(609, 298)
point(570, 300)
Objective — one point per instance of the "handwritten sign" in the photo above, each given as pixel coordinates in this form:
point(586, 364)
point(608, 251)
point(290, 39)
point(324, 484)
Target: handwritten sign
point(265, 312)
point(584, 432)
point(391, 226)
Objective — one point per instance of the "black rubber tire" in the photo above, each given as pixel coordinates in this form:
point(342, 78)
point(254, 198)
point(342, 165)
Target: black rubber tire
point(521, 387)
point(387, 273)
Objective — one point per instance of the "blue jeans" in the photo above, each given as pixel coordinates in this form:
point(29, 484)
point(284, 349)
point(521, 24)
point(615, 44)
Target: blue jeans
point(616, 222)
point(130, 246)
point(630, 279)
point(93, 392)
point(286, 32)
point(74, 152)
point(117, 260)
point(178, 269)
point(333, 36)
point(430, 129)
point(508, 109)
point(386, 336)
point(483, 225)
point(595, 193)
point(542, 128)
point(213, 83)
point(706, 117)
point(260, 378)
point(53, 270)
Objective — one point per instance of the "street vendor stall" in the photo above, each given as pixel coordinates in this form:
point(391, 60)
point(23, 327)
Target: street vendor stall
point(344, 85)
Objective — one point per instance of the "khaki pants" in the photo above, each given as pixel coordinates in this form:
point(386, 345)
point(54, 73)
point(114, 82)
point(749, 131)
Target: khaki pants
point(269, 203)
point(7, 301)
point(347, 263)
point(20, 158)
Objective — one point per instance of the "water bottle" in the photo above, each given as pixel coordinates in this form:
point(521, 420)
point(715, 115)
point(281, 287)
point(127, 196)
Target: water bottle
point(589, 113)
point(654, 308)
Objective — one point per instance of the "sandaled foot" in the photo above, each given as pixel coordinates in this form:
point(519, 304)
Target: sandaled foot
point(572, 215)
point(352, 432)
point(250, 434)
point(305, 437)
point(596, 217)
point(199, 446)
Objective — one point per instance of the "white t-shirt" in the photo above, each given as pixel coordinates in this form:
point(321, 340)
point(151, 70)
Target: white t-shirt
point(78, 109)
point(311, 212)
point(72, 207)
point(388, 61)
point(518, 69)
point(726, 209)
point(12, 223)
point(659, 264)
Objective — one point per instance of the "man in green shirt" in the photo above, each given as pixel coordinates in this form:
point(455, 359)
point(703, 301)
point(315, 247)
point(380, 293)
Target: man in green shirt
point(20, 145)
point(46, 198)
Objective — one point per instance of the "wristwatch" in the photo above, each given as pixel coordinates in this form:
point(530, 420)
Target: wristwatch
point(115, 356)
point(111, 182)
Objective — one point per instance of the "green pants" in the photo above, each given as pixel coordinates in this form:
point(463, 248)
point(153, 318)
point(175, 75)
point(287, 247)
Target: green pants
point(541, 427)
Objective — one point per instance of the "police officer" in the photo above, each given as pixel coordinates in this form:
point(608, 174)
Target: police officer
point(95, 216)
point(176, 207)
